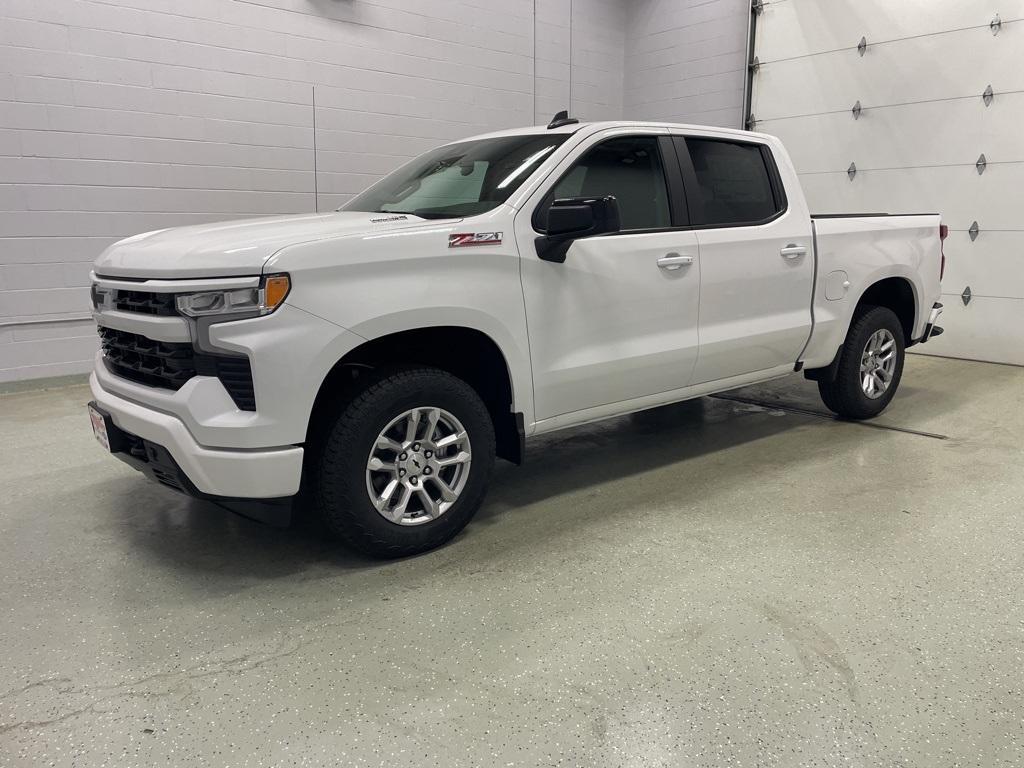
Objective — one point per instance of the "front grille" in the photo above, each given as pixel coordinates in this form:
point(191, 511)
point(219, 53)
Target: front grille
point(142, 302)
point(169, 365)
point(145, 302)
point(154, 363)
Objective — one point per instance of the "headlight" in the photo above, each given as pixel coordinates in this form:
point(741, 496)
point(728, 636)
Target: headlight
point(249, 301)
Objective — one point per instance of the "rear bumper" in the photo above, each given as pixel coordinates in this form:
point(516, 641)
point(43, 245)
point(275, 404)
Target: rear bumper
point(932, 329)
point(213, 473)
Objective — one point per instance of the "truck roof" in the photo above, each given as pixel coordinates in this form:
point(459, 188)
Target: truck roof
point(592, 127)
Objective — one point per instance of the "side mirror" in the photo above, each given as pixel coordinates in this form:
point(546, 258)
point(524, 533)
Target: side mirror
point(574, 218)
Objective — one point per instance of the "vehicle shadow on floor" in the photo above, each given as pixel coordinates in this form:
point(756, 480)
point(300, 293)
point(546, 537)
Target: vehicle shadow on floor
point(616, 449)
point(198, 536)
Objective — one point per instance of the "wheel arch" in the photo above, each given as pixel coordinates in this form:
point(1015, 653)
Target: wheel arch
point(466, 352)
point(898, 294)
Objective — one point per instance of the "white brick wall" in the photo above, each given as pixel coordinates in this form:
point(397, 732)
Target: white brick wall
point(685, 61)
point(120, 116)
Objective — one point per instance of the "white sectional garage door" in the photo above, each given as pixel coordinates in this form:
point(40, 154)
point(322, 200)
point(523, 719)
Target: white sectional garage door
point(922, 127)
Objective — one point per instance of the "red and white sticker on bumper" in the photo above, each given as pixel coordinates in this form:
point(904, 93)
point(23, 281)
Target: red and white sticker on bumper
point(464, 239)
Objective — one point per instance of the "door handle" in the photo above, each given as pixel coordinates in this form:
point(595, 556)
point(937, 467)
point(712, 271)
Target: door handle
point(674, 261)
point(793, 251)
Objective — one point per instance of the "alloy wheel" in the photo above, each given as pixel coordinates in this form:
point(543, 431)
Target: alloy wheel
point(878, 363)
point(418, 466)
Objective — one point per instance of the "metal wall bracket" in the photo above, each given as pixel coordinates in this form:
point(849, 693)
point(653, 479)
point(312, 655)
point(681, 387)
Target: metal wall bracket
point(995, 25)
point(851, 171)
point(981, 163)
point(856, 110)
point(973, 231)
point(751, 121)
point(966, 296)
point(987, 96)
point(757, 6)
point(862, 46)
point(754, 65)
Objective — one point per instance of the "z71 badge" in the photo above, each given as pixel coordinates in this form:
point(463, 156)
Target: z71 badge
point(474, 238)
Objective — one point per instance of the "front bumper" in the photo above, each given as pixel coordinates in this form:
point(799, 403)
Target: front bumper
point(262, 473)
point(290, 353)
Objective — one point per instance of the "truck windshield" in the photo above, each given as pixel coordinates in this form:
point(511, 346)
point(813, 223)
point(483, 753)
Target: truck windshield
point(458, 180)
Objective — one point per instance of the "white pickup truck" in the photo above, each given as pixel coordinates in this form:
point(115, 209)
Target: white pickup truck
point(380, 356)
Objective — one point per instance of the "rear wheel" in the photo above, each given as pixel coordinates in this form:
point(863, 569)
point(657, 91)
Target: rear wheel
point(870, 365)
point(406, 463)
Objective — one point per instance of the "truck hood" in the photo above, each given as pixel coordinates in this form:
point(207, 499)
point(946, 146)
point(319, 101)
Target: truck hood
point(235, 247)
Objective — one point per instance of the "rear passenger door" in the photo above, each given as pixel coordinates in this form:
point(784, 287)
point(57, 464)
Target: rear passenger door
point(756, 254)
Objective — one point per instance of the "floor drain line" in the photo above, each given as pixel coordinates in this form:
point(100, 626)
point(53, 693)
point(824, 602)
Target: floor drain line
point(828, 417)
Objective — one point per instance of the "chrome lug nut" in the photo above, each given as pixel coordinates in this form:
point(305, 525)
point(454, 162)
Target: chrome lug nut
point(416, 446)
point(427, 470)
point(428, 454)
point(403, 457)
point(401, 473)
point(413, 480)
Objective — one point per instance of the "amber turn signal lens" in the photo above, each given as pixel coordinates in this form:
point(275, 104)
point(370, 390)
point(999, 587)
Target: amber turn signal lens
point(275, 288)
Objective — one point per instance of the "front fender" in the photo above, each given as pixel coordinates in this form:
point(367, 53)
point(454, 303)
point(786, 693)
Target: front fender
point(516, 356)
point(377, 284)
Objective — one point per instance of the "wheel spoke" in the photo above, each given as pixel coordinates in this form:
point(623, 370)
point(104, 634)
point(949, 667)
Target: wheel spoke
point(433, 416)
point(453, 439)
point(447, 494)
point(376, 465)
point(429, 505)
point(883, 375)
point(867, 383)
point(382, 501)
point(412, 425)
point(879, 384)
point(460, 458)
point(398, 511)
point(388, 444)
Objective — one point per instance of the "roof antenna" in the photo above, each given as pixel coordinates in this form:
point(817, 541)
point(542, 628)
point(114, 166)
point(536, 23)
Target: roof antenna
point(560, 119)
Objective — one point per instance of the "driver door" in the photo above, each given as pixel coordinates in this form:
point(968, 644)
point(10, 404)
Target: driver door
point(617, 321)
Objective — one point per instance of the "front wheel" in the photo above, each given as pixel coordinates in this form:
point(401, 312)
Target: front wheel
point(406, 463)
point(870, 365)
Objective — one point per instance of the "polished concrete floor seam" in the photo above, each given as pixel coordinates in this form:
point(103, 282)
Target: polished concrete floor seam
point(827, 416)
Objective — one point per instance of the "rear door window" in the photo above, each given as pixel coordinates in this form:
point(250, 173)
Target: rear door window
point(731, 184)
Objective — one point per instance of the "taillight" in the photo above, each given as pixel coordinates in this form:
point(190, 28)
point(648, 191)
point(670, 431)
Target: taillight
point(943, 234)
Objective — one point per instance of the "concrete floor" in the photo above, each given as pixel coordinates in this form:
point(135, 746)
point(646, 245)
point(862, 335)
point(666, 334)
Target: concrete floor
point(705, 585)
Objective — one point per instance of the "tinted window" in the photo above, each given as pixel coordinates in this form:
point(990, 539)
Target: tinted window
point(628, 168)
point(734, 186)
point(459, 179)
